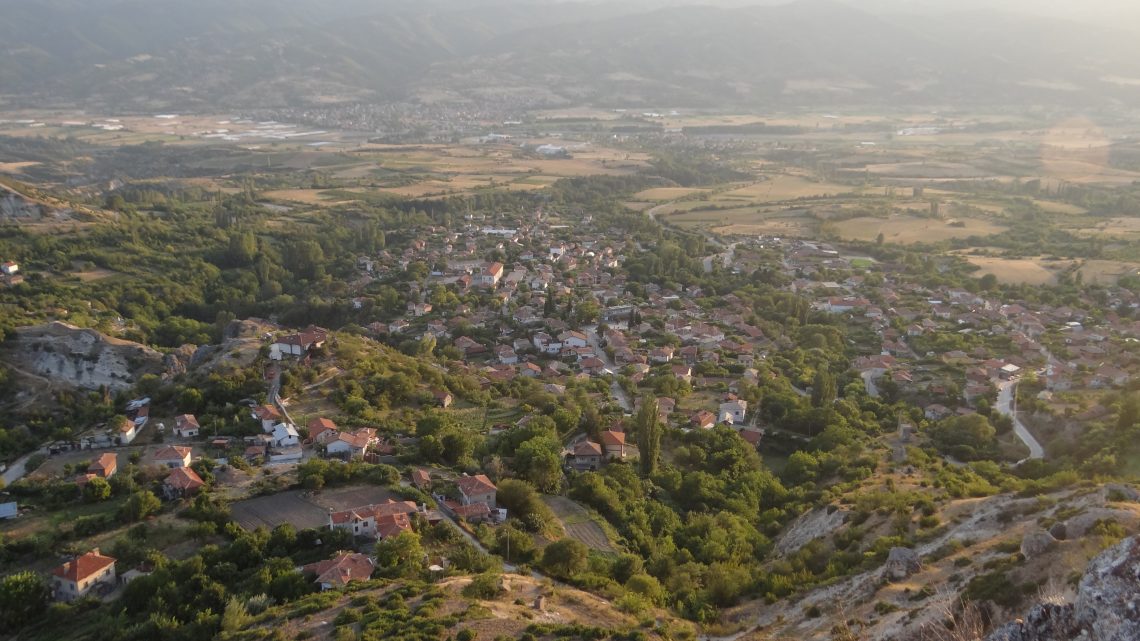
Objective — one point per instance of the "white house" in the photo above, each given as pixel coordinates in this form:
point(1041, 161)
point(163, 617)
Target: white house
point(127, 431)
point(186, 425)
point(74, 579)
point(350, 444)
point(476, 489)
point(9, 268)
point(173, 456)
point(285, 435)
point(573, 339)
point(733, 412)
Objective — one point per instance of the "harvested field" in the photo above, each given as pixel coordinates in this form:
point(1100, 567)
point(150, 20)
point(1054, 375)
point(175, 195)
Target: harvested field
point(909, 229)
point(784, 187)
point(578, 524)
point(1029, 271)
point(16, 167)
point(302, 508)
point(1121, 226)
point(1106, 272)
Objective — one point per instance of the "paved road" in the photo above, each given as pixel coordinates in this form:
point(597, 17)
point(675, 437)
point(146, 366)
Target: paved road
point(869, 377)
point(615, 389)
point(17, 469)
point(1005, 406)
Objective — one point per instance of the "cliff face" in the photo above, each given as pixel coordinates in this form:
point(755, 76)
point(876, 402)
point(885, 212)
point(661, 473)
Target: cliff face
point(1107, 607)
point(84, 358)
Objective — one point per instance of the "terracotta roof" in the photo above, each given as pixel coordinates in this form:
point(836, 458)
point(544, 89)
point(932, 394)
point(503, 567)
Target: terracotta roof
point(421, 477)
point(185, 479)
point(392, 524)
point(473, 511)
point(357, 440)
point(588, 448)
point(172, 453)
point(472, 485)
point(318, 425)
point(610, 437)
point(267, 412)
point(186, 421)
point(375, 511)
point(105, 463)
point(341, 569)
point(83, 567)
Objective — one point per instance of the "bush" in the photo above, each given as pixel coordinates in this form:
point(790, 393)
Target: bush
point(485, 586)
point(466, 634)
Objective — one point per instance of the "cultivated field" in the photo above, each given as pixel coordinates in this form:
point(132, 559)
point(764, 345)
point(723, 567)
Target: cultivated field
point(304, 509)
point(578, 524)
point(909, 229)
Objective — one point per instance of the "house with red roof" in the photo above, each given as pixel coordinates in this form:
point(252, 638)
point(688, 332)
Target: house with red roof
point(173, 456)
point(351, 444)
point(340, 570)
point(76, 578)
point(378, 521)
point(322, 429)
point(105, 466)
point(587, 455)
point(421, 478)
point(186, 425)
point(476, 489)
point(181, 482)
point(614, 444)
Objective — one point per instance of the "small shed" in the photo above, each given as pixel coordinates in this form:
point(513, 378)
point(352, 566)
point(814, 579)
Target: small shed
point(9, 510)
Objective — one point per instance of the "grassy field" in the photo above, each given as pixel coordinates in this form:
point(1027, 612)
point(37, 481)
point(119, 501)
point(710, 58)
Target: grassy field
point(910, 229)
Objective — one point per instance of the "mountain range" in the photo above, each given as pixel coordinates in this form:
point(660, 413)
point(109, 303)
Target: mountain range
point(157, 54)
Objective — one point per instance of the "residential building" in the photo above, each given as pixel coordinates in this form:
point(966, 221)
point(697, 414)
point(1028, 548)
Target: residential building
point(173, 456)
point(476, 489)
point(75, 579)
point(186, 426)
point(181, 482)
point(105, 466)
point(340, 570)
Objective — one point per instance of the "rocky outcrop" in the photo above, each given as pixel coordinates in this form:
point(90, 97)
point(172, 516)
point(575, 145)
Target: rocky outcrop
point(77, 357)
point(901, 563)
point(1107, 607)
point(1037, 542)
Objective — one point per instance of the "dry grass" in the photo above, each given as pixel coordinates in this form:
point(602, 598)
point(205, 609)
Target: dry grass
point(1029, 271)
point(305, 196)
point(909, 229)
point(15, 167)
point(784, 187)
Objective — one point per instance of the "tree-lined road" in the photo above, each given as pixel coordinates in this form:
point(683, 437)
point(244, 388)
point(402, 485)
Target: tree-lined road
point(1005, 406)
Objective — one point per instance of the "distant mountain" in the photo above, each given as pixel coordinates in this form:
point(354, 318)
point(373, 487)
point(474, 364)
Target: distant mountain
point(152, 54)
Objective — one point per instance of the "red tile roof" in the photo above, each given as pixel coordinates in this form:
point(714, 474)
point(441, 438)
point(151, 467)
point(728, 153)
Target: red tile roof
point(610, 437)
point(185, 479)
point(588, 448)
point(83, 567)
point(186, 421)
point(172, 453)
point(341, 569)
point(105, 465)
point(472, 485)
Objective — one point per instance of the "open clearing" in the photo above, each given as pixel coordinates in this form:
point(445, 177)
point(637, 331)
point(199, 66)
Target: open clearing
point(578, 524)
point(1107, 272)
point(1121, 227)
point(1027, 271)
point(909, 229)
point(304, 509)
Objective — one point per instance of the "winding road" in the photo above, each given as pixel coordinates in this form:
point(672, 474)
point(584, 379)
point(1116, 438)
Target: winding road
point(615, 389)
point(1005, 406)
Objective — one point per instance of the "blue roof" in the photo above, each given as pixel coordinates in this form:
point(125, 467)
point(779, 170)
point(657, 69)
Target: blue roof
point(8, 510)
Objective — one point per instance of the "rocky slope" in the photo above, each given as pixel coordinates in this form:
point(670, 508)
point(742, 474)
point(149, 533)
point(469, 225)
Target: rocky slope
point(1107, 606)
point(71, 356)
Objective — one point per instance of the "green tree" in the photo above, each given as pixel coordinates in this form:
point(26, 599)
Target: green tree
point(140, 505)
point(538, 461)
point(23, 598)
point(823, 389)
point(400, 556)
point(648, 429)
point(566, 558)
point(96, 490)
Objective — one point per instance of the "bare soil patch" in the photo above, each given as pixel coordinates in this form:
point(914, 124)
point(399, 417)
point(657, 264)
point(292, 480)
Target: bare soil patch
point(578, 523)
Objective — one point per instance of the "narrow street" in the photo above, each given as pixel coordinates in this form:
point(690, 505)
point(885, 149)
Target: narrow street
point(1005, 405)
point(618, 393)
